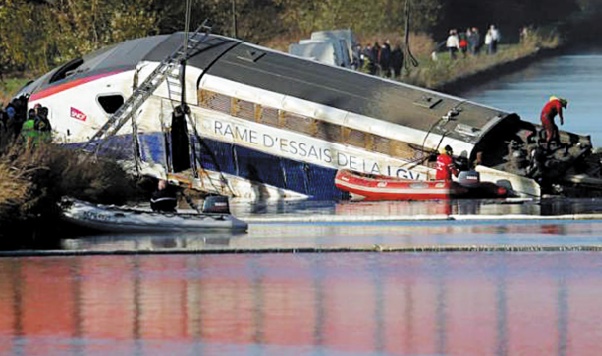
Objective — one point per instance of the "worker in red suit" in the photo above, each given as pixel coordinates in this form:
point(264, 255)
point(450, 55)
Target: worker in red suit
point(445, 164)
point(552, 108)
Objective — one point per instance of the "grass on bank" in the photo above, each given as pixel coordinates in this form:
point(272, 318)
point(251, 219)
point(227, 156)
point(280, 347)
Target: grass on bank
point(445, 70)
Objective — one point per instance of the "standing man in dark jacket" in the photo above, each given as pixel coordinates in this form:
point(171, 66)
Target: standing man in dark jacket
point(397, 60)
point(474, 41)
point(375, 55)
point(385, 59)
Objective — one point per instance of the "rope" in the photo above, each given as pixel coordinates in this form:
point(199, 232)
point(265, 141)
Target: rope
point(190, 202)
point(223, 178)
point(187, 22)
point(408, 53)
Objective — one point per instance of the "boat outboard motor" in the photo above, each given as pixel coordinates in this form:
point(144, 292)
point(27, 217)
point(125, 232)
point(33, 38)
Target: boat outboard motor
point(216, 204)
point(469, 178)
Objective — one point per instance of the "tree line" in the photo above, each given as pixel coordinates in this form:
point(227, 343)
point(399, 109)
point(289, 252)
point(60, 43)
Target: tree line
point(36, 35)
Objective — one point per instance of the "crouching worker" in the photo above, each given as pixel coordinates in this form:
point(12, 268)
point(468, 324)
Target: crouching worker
point(165, 198)
point(445, 164)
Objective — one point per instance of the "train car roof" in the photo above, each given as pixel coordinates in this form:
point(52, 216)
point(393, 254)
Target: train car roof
point(348, 90)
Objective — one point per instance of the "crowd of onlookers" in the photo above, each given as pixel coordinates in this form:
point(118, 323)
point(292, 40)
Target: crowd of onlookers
point(470, 42)
point(384, 60)
point(387, 60)
point(17, 122)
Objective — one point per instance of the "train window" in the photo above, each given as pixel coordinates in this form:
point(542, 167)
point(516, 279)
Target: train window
point(299, 123)
point(382, 144)
point(243, 109)
point(356, 138)
point(269, 116)
point(403, 150)
point(66, 70)
point(215, 101)
point(111, 103)
point(328, 131)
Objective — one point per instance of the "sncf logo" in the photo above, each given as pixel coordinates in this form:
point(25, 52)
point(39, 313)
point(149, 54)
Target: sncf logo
point(78, 114)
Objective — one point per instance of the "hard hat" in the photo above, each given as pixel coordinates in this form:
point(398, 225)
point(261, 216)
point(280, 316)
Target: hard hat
point(562, 101)
point(448, 149)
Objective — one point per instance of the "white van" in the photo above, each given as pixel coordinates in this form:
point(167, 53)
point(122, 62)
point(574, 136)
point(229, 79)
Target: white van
point(341, 54)
point(329, 52)
point(345, 37)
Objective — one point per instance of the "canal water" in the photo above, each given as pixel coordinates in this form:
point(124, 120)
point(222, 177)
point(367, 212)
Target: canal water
point(576, 76)
point(330, 278)
point(428, 303)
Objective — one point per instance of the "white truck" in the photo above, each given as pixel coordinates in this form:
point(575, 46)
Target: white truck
point(326, 51)
point(345, 37)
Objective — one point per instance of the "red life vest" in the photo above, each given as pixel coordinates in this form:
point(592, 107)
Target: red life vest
point(551, 109)
point(445, 167)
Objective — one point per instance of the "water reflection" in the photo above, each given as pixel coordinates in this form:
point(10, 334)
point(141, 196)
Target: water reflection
point(381, 303)
point(300, 209)
point(356, 236)
point(163, 242)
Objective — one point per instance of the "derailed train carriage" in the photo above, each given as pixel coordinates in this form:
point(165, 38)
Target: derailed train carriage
point(233, 118)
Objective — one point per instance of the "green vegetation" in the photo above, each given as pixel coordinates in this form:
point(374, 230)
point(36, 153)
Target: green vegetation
point(36, 35)
point(34, 178)
point(8, 88)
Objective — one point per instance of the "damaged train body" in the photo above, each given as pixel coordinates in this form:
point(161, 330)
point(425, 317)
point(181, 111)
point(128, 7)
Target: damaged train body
point(238, 119)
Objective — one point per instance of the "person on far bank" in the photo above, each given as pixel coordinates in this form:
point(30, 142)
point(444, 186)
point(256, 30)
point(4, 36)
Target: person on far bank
point(384, 59)
point(492, 38)
point(453, 44)
point(553, 107)
point(397, 61)
point(474, 41)
point(164, 199)
point(446, 168)
point(463, 42)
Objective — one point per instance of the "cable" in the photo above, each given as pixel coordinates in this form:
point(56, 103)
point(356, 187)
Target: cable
point(408, 54)
point(446, 118)
point(187, 22)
